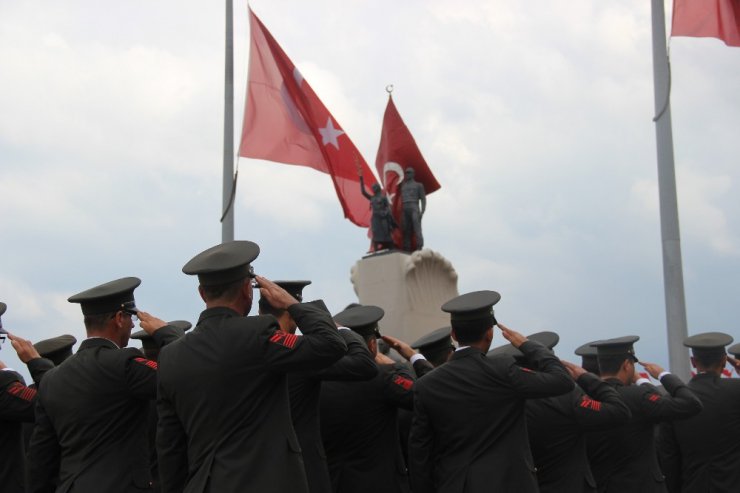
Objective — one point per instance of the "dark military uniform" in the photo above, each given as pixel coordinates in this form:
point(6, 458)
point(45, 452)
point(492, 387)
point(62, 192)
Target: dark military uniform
point(360, 431)
point(305, 389)
point(557, 427)
point(16, 407)
point(224, 415)
point(625, 458)
point(701, 454)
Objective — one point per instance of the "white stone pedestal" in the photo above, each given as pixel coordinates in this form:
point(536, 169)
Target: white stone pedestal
point(410, 287)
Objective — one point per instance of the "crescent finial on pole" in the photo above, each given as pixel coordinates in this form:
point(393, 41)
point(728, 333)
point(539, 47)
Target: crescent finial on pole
point(389, 90)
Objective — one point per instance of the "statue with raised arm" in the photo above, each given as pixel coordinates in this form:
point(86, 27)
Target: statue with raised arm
point(382, 222)
point(412, 192)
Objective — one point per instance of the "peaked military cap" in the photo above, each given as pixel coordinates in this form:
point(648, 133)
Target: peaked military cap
point(147, 341)
point(734, 350)
point(589, 361)
point(708, 343)
point(362, 319)
point(437, 340)
point(546, 338)
point(3, 307)
point(109, 297)
point(294, 288)
point(474, 306)
point(619, 346)
point(224, 263)
point(57, 349)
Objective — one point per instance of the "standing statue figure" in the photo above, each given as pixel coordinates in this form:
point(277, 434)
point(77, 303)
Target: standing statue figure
point(382, 222)
point(412, 192)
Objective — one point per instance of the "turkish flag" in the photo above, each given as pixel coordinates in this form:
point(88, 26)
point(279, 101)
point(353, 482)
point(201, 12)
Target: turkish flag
point(286, 122)
point(396, 152)
point(707, 19)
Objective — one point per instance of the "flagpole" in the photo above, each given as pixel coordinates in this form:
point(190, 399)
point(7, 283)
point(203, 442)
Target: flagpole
point(675, 303)
point(229, 183)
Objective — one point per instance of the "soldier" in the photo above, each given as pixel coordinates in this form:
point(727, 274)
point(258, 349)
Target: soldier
point(702, 453)
point(436, 346)
point(91, 410)
point(469, 432)
point(305, 387)
point(589, 361)
point(624, 458)
point(150, 347)
point(224, 416)
point(358, 419)
point(16, 409)
point(557, 426)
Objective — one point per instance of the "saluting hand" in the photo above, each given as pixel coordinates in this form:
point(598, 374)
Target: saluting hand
point(401, 347)
point(24, 348)
point(382, 359)
point(574, 370)
point(150, 323)
point(735, 364)
point(652, 369)
point(514, 337)
point(274, 294)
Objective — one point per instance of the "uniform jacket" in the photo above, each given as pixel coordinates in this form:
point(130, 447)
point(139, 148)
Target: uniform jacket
point(305, 390)
point(16, 407)
point(360, 431)
point(224, 415)
point(624, 458)
point(469, 430)
point(701, 454)
point(90, 432)
point(557, 429)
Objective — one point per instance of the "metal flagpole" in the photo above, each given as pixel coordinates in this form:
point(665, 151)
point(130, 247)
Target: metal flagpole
point(229, 181)
point(675, 303)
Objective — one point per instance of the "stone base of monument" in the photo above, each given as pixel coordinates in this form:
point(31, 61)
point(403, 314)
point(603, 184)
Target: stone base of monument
point(410, 287)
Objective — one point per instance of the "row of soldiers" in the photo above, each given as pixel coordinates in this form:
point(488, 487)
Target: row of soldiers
point(297, 400)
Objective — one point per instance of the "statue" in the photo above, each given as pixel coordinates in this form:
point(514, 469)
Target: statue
point(412, 192)
point(382, 222)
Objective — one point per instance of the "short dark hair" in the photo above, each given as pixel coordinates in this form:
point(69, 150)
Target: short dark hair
point(610, 365)
point(708, 360)
point(223, 292)
point(98, 320)
point(470, 331)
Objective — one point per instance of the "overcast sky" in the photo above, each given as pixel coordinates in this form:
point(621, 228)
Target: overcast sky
point(536, 118)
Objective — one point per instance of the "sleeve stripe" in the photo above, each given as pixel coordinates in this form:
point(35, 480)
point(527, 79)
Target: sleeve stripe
point(284, 339)
point(19, 390)
point(403, 382)
point(147, 362)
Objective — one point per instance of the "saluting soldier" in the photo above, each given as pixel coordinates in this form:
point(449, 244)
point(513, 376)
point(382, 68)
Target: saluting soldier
point(358, 419)
point(436, 346)
point(469, 432)
point(589, 360)
point(624, 458)
point(16, 409)
point(224, 414)
point(701, 454)
point(305, 387)
point(557, 425)
point(90, 432)
point(150, 347)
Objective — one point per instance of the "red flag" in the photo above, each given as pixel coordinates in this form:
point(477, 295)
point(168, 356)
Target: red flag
point(285, 121)
point(396, 152)
point(707, 19)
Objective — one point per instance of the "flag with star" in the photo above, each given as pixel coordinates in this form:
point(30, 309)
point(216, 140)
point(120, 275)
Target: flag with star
point(286, 122)
point(396, 152)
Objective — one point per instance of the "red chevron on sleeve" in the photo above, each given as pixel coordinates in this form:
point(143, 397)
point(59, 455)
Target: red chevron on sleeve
point(284, 339)
point(654, 397)
point(526, 369)
point(403, 382)
point(19, 390)
point(147, 362)
point(588, 403)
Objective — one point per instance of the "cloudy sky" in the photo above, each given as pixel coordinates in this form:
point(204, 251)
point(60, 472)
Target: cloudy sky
point(536, 118)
